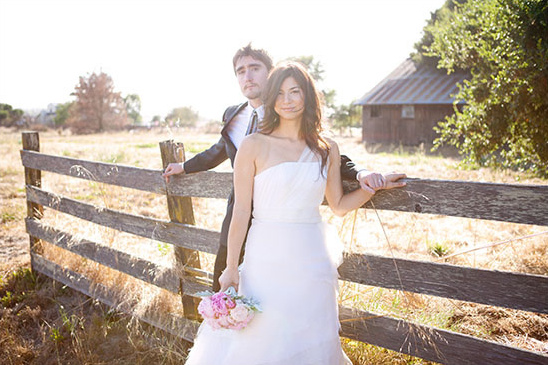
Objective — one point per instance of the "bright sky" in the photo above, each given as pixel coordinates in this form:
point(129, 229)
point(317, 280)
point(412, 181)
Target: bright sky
point(179, 53)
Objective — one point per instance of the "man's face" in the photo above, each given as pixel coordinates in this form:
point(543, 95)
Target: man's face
point(252, 75)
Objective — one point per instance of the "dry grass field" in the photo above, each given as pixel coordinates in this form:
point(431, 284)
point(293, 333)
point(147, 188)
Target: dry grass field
point(43, 322)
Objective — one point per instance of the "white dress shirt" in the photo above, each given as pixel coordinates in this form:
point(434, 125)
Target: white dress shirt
point(238, 126)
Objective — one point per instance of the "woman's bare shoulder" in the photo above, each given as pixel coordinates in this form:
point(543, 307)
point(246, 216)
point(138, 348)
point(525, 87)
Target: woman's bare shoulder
point(250, 140)
point(253, 143)
point(330, 141)
point(333, 146)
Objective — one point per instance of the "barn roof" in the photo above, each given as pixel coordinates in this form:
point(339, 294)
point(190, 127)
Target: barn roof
point(410, 83)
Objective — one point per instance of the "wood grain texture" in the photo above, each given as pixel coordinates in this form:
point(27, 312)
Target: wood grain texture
point(503, 289)
point(114, 174)
point(429, 343)
point(526, 204)
point(178, 234)
point(33, 177)
point(180, 211)
point(139, 268)
point(207, 184)
point(518, 291)
point(515, 203)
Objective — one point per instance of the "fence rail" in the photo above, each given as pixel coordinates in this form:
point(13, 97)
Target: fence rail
point(502, 289)
point(502, 202)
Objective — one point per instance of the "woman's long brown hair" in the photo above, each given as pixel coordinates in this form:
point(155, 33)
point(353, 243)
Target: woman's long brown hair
point(311, 124)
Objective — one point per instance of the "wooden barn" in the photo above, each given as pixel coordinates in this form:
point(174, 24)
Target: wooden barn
point(407, 104)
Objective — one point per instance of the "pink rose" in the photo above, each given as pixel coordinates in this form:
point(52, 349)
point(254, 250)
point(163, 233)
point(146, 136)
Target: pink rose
point(222, 310)
point(224, 321)
point(221, 303)
point(213, 322)
point(240, 313)
point(230, 303)
point(205, 308)
point(218, 304)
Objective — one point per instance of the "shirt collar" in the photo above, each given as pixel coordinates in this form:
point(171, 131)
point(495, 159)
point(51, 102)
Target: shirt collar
point(260, 112)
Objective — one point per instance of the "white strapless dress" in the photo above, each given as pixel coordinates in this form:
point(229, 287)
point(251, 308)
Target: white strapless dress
point(290, 267)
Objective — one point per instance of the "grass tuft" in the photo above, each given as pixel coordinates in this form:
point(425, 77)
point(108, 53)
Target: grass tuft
point(438, 249)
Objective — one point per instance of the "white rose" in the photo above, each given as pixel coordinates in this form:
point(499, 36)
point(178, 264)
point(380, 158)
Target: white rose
point(239, 313)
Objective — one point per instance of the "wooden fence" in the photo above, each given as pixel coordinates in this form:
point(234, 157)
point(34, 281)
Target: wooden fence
point(502, 202)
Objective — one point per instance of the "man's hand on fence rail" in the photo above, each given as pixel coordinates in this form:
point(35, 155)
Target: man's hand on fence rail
point(173, 169)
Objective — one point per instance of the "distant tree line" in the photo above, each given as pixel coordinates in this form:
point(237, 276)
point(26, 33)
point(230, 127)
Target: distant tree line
point(98, 107)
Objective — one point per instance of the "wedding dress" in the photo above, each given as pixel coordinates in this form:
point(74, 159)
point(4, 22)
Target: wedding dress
point(290, 267)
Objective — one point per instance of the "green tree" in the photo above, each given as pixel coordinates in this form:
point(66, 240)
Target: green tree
point(62, 113)
point(183, 117)
point(133, 107)
point(504, 44)
point(97, 106)
point(9, 116)
point(439, 18)
point(316, 70)
point(156, 120)
point(346, 117)
point(4, 115)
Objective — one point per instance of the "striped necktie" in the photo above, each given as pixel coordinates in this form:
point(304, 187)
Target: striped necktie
point(252, 127)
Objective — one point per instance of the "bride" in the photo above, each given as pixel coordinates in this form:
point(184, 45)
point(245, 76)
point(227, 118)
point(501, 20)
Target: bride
point(281, 176)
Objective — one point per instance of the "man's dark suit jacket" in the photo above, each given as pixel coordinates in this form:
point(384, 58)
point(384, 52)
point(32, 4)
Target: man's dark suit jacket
point(217, 154)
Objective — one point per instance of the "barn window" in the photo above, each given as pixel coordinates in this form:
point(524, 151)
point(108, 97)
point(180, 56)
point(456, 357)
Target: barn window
point(408, 111)
point(375, 111)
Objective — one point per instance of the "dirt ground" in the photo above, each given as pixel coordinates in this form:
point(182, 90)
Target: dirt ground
point(43, 322)
point(14, 251)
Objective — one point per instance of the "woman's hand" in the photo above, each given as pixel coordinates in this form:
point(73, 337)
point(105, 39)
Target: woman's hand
point(229, 277)
point(371, 181)
point(375, 181)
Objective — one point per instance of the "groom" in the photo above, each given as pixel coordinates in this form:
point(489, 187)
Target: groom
point(252, 67)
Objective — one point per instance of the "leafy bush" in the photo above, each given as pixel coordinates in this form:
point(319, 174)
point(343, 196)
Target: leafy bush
point(503, 44)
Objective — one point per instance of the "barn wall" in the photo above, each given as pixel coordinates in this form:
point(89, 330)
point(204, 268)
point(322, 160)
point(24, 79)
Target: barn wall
point(390, 127)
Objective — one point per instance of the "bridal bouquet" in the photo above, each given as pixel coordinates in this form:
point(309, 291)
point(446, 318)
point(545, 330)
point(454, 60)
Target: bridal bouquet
point(227, 309)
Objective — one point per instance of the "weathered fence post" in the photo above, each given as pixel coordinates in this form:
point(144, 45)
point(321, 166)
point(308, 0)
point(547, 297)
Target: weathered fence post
point(180, 211)
point(31, 142)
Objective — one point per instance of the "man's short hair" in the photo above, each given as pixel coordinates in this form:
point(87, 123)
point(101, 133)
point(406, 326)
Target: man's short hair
point(255, 53)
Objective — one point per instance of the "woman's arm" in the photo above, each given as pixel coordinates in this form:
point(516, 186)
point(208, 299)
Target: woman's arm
point(337, 200)
point(244, 172)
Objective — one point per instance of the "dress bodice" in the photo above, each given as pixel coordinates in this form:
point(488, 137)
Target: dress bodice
point(290, 191)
